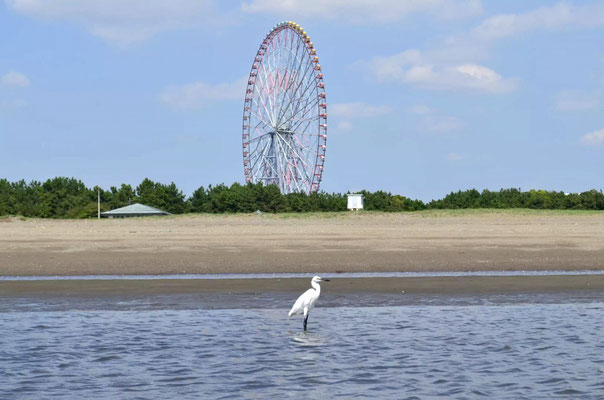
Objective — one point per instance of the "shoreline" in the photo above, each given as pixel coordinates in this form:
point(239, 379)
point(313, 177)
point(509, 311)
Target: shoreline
point(452, 285)
point(309, 275)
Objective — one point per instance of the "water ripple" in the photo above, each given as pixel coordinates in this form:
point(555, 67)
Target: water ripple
point(503, 351)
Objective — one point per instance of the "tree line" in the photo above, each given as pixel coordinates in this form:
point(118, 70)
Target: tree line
point(63, 197)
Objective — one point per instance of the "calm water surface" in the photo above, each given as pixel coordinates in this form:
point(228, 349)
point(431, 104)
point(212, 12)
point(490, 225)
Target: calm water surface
point(509, 347)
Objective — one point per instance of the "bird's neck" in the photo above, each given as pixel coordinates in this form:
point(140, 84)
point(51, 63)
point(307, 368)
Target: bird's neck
point(316, 286)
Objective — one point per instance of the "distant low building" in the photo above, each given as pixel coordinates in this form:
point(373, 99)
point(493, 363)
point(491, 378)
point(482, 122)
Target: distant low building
point(134, 210)
point(355, 201)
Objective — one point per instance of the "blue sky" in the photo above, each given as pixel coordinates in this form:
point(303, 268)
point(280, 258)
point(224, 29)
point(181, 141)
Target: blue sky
point(424, 97)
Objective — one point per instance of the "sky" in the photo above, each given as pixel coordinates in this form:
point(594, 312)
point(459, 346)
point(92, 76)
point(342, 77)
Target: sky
point(424, 97)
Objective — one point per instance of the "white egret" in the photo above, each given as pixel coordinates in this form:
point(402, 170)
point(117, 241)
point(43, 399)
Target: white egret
point(308, 299)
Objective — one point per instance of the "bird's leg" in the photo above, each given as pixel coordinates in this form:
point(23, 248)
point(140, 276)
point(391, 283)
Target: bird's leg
point(305, 322)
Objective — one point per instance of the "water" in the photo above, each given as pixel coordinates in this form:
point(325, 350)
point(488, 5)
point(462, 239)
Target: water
point(504, 347)
point(285, 275)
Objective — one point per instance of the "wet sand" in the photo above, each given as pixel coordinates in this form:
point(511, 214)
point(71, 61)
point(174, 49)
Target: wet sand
point(465, 285)
point(326, 243)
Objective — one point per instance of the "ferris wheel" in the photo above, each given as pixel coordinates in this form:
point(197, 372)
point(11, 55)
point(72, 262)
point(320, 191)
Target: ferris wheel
point(285, 113)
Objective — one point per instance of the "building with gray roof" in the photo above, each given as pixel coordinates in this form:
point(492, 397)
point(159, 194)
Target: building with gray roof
point(134, 210)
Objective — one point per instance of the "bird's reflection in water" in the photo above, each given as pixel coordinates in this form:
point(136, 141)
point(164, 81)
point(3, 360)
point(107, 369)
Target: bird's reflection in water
point(308, 339)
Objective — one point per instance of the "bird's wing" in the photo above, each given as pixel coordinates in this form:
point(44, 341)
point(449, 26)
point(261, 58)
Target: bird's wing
point(303, 301)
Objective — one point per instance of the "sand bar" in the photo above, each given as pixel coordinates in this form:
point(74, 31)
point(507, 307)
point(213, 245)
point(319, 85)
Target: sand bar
point(326, 243)
point(412, 285)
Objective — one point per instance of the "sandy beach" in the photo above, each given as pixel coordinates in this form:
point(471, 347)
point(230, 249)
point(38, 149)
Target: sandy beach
point(325, 243)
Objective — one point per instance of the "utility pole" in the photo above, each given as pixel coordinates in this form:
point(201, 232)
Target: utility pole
point(98, 192)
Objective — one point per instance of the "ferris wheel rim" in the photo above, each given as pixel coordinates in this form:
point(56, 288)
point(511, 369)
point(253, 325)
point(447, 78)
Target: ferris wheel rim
point(284, 133)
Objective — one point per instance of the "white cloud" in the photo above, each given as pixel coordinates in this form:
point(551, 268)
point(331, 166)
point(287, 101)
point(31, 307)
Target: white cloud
point(344, 112)
point(121, 21)
point(344, 126)
point(431, 120)
point(364, 11)
point(559, 16)
point(475, 43)
point(199, 94)
point(454, 64)
point(593, 139)
point(13, 78)
point(442, 124)
point(454, 157)
point(575, 100)
point(412, 67)
point(420, 109)
point(357, 110)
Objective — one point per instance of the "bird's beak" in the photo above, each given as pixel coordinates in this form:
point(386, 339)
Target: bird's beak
point(325, 280)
